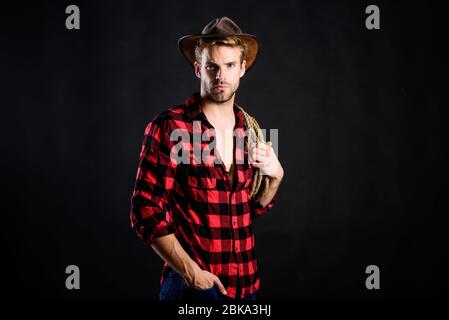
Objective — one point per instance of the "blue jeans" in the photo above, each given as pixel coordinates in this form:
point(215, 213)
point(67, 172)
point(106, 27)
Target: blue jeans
point(174, 287)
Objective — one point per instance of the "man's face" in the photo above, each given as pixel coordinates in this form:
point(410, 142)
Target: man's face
point(220, 71)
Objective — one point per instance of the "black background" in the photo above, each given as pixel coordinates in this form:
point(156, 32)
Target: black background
point(362, 120)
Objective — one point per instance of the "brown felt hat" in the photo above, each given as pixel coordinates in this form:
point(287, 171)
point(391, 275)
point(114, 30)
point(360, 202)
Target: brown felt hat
point(220, 27)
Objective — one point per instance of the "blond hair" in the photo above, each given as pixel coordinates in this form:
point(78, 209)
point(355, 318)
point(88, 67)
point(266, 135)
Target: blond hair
point(232, 41)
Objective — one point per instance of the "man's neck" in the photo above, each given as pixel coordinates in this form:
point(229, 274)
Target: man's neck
point(218, 111)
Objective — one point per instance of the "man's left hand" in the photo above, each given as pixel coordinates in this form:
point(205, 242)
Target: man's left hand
point(262, 156)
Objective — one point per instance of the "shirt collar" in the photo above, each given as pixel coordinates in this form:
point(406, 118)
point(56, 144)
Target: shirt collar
point(194, 110)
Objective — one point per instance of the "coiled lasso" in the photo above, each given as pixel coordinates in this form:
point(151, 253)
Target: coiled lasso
point(260, 182)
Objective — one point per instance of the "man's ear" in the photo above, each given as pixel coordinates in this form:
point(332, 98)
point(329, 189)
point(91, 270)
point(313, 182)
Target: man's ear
point(243, 68)
point(197, 67)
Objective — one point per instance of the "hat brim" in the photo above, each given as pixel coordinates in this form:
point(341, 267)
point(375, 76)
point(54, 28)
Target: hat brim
point(187, 45)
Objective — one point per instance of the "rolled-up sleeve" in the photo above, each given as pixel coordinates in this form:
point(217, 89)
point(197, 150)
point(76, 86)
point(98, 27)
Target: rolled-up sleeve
point(150, 214)
point(256, 208)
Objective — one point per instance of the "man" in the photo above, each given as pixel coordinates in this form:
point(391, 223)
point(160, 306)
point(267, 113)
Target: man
point(195, 214)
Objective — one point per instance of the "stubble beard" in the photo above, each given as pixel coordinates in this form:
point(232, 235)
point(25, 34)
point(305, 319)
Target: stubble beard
point(221, 97)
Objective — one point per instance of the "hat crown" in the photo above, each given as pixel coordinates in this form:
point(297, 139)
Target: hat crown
point(221, 26)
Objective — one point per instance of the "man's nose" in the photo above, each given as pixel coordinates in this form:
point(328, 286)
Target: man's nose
point(220, 74)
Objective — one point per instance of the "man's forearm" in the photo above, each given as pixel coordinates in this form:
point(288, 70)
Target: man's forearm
point(272, 189)
point(171, 251)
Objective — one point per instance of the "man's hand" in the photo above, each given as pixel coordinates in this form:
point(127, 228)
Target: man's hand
point(262, 156)
point(169, 249)
point(202, 279)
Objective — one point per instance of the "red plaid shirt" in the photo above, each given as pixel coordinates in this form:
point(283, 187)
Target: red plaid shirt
point(195, 200)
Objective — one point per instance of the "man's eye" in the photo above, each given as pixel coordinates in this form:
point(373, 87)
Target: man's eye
point(209, 67)
point(231, 65)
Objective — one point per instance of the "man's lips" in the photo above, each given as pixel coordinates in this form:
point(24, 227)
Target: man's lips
point(220, 87)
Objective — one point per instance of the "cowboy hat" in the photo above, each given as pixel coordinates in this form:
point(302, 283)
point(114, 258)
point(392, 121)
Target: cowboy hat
point(220, 27)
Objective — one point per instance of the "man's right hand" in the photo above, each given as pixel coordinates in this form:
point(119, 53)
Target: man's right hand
point(204, 280)
point(169, 249)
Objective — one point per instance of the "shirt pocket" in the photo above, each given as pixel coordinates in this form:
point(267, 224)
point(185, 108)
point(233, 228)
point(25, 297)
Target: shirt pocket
point(202, 182)
point(198, 185)
point(201, 177)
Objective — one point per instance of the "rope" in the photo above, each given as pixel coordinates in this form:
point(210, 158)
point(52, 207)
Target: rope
point(260, 183)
